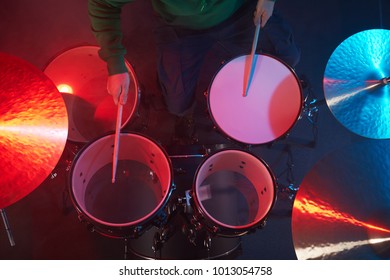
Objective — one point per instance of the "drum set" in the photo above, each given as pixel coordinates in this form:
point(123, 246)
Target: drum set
point(233, 190)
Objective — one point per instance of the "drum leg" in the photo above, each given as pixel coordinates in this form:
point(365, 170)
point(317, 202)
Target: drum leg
point(7, 227)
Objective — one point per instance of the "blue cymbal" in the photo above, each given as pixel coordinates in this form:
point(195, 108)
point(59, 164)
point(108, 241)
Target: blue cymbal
point(356, 83)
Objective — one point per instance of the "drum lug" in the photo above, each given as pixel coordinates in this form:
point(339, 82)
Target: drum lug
point(190, 234)
point(90, 227)
point(197, 225)
point(262, 224)
point(161, 237)
point(171, 208)
point(215, 229)
point(136, 231)
point(81, 218)
point(157, 242)
point(207, 242)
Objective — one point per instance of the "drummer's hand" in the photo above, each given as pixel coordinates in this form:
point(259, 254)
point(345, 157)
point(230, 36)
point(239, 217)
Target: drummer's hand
point(118, 87)
point(264, 11)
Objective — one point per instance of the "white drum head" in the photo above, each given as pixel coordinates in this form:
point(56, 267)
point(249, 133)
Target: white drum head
point(271, 107)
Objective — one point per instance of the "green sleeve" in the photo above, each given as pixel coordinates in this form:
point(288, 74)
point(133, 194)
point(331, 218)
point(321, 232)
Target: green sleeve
point(105, 22)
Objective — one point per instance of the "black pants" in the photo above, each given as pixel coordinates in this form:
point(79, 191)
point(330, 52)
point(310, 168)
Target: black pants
point(181, 52)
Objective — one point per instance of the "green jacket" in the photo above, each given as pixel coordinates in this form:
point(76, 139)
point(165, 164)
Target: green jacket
point(193, 14)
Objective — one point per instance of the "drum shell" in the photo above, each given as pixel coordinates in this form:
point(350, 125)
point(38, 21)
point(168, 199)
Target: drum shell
point(202, 219)
point(133, 146)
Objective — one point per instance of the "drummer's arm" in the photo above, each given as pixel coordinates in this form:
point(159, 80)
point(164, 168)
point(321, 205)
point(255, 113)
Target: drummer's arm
point(264, 11)
point(106, 26)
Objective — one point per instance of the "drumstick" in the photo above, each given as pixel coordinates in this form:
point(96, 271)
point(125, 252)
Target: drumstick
point(248, 74)
point(116, 143)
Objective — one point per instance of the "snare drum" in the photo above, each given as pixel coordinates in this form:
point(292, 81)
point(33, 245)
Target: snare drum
point(136, 200)
point(81, 77)
point(233, 193)
point(270, 109)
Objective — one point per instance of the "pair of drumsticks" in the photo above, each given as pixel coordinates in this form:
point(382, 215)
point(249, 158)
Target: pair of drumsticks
point(248, 75)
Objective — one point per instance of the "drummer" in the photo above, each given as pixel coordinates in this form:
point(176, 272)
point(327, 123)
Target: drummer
point(185, 33)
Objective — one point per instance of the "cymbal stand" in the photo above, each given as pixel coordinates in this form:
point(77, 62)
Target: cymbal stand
point(291, 189)
point(7, 227)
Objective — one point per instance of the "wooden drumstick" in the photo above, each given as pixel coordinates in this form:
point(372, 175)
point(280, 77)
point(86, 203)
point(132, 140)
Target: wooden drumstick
point(116, 141)
point(251, 64)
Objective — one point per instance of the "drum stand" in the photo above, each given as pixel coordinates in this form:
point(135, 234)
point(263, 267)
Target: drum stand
point(7, 227)
point(310, 111)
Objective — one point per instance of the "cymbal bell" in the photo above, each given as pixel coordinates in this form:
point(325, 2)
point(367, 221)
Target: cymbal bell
point(356, 83)
point(342, 208)
point(33, 128)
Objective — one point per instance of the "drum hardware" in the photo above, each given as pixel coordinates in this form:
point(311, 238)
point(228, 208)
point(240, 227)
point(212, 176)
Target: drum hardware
point(7, 227)
point(162, 236)
point(310, 111)
point(194, 231)
point(291, 188)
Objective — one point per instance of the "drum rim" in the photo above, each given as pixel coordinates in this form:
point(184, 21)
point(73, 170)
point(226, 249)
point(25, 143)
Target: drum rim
point(228, 134)
point(132, 73)
point(107, 225)
point(210, 222)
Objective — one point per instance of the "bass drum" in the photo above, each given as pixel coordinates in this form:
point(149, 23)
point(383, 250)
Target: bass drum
point(269, 110)
point(137, 199)
point(81, 77)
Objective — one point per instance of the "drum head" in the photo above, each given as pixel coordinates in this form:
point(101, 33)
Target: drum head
point(81, 77)
point(142, 187)
point(234, 190)
point(271, 107)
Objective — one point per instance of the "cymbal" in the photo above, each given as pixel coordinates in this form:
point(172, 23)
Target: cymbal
point(81, 77)
point(342, 208)
point(356, 83)
point(33, 128)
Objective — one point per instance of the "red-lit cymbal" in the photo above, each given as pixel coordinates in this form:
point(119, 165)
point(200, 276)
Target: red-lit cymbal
point(342, 208)
point(33, 128)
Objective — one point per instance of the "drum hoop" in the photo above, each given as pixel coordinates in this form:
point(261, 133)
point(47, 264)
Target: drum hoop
point(142, 220)
point(227, 134)
point(132, 73)
point(209, 220)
